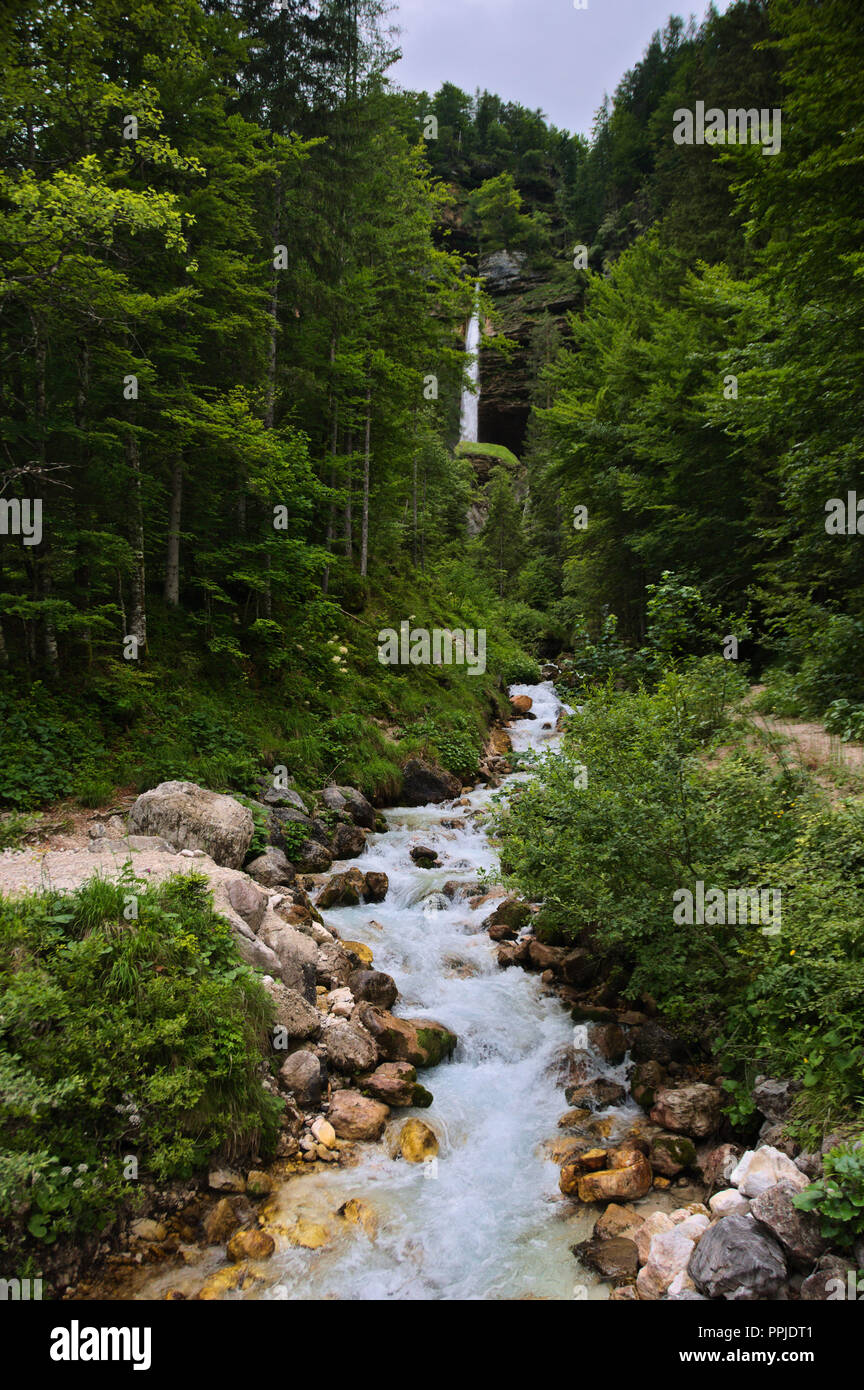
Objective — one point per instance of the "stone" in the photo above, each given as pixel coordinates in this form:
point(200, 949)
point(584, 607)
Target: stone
point(271, 869)
point(436, 1040)
point(350, 802)
point(521, 704)
point(829, 1281)
point(296, 953)
point(247, 901)
point(258, 1184)
point(220, 1222)
point(760, 1169)
point(646, 1079)
point(348, 841)
point(574, 1119)
point(773, 1098)
point(271, 795)
point(669, 1255)
point(374, 986)
point(360, 1214)
point(333, 966)
point(312, 858)
point(189, 817)
point(596, 1095)
point(424, 857)
point(393, 1082)
point(510, 915)
point(296, 1019)
point(301, 1075)
point(418, 1142)
point(797, 1231)
point(654, 1043)
point(349, 1048)
point(729, 1203)
point(145, 1229)
point(424, 782)
point(308, 1235)
point(340, 1002)
point(543, 957)
point(224, 1179)
point(377, 884)
point(609, 1040)
point(324, 1132)
point(355, 1116)
point(616, 1220)
point(613, 1258)
point(627, 1179)
point(719, 1165)
point(250, 1245)
point(652, 1226)
point(671, 1154)
point(359, 954)
point(738, 1260)
point(692, 1110)
point(344, 889)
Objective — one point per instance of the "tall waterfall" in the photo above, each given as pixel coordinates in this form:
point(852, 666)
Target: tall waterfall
point(470, 400)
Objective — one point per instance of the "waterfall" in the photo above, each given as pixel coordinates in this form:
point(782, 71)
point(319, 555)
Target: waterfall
point(471, 399)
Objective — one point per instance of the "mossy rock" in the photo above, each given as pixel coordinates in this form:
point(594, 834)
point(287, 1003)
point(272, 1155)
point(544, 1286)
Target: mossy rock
point(437, 1042)
point(421, 1097)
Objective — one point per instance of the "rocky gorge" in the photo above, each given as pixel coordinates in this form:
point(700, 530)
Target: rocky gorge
point(425, 1044)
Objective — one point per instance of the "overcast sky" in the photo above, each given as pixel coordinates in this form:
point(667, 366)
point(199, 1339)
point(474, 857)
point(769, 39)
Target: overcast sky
point(542, 53)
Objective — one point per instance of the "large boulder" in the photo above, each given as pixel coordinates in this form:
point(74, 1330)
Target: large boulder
point(738, 1260)
point(418, 1142)
point(693, 1109)
point(669, 1255)
point(296, 1019)
point(345, 889)
point(654, 1043)
point(421, 1041)
point(312, 858)
point(626, 1178)
point(507, 920)
point(189, 817)
point(271, 869)
point(377, 884)
point(350, 802)
point(247, 901)
point(396, 1084)
point(797, 1231)
point(614, 1257)
point(348, 841)
point(762, 1168)
point(301, 1075)
point(375, 986)
point(424, 781)
point(297, 955)
point(349, 1047)
point(354, 1116)
point(671, 1154)
point(521, 704)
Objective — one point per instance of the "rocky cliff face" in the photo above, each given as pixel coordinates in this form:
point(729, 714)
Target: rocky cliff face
point(523, 297)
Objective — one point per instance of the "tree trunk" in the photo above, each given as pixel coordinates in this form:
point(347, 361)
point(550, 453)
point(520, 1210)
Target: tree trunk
point(172, 551)
point(364, 528)
point(138, 584)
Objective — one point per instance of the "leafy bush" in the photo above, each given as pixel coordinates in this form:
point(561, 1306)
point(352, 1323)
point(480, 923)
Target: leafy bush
point(456, 745)
point(838, 1196)
point(122, 1037)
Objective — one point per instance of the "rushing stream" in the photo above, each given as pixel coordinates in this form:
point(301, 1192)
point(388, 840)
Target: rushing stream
point(485, 1220)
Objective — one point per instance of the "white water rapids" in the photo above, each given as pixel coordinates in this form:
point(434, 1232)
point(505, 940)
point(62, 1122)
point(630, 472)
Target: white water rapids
point(486, 1220)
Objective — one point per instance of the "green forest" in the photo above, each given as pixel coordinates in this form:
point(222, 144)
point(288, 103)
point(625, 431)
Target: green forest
point(237, 265)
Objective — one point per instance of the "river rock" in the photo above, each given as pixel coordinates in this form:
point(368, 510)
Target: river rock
point(345, 889)
point(543, 957)
point(669, 1255)
point(578, 967)
point(374, 986)
point(616, 1220)
point(596, 1095)
point(297, 955)
point(397, 1038)
point(296, 1019)
point(423, 782)
point(418, 1142)
point(613, 1258)
point(220, 1223)
point(719, 1165)
point(271, 869)
point(521, 704)
point(760, 1169)
point(393, 1082)
point(646, 1079)
point(738, 1260)
point(377, 884)
point(671, 1154)
point(355, 1116)
point(301, 1075)
point(510, 915)
point(312, 858)
point(349, 1048)
point(693, 1109)
point(436, 1040)
point(773, 1098)
point(189, 817)
point(360, 1214)
point(829, 1281)
point(348, 841)
point(652, 1226)
point(424, 856)
point(225, 1179)
point(350, 802)
point(797, 1231)
point(728, 1203)
point(654, 1043)
point(250, 1245)
point(334, 966)
point(609, 1040)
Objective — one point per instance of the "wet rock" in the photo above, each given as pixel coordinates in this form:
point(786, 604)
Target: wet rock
point(377, 884)
point(609, 1040)
point(348, 841)
point(737, 1260)
point(271, 869)
point(418, 1142)
point(423, 782)
point(393, 1082)
point(654, 1043)
point(189, 817)
point(574, 1119)
point(521, 704)
point(436, 1040)
point(613, 1258)
point(669, 1256)
point(543, 957)
point(360, 1214)
point(618, 1220)
point(355, 1116)
point(359, 954)
point(797, 1231)
point(396, 1039)
point(220, 1223)
point(671, 1154)
point(301, 1075)
point(578, 967)
point(250, 1245)
point(296, 1019)
point(349, 1048)
point(516, 954)
point(350, 802)
point(345, 889)
point(596, 1095)
point(646, 1079)
point(693, 1109)
point(258, 1184)
point(225, 1179)
point(760, 1169)
point(374, 986)
point(323, 1132)
point(312, 858)
point(590, 1161)
point(509, 917)
point(424, 857)
point(626, 1178)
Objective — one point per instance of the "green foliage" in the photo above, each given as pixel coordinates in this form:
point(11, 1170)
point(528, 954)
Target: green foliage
point(456, 746)
point(123, 1037)
point(838, 1196)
